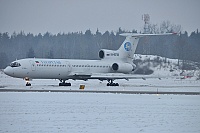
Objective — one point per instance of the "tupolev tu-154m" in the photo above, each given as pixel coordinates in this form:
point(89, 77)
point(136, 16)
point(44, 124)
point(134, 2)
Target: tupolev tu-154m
point(111, 63)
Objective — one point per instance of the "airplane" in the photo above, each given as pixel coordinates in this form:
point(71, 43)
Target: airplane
point(111, 62)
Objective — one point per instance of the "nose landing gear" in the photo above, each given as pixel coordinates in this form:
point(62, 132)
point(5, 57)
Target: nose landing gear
point(27, 81)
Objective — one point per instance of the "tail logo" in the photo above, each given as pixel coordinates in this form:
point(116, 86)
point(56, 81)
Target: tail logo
point(127, 46)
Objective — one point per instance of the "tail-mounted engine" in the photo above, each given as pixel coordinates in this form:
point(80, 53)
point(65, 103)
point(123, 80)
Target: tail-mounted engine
point(106, 54)
point(123, 67)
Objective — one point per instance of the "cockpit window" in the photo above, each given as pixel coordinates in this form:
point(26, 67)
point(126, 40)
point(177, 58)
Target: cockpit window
point(15, 64)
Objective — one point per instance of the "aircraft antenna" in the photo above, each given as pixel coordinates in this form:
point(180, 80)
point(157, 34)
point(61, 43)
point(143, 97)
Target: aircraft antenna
point(146, 47)
point(146, 19)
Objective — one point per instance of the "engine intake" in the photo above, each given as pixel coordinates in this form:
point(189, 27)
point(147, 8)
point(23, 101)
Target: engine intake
point(108, 54)
point(115, 66)
point(101, 54)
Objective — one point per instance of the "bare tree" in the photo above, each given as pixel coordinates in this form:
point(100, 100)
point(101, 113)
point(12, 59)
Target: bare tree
point(154, 29)
point(167, 27)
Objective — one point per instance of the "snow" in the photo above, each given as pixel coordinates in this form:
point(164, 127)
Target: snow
point(95, 112)
point(92, 112)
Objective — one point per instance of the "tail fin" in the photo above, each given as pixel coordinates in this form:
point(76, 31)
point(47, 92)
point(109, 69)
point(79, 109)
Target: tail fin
point(128, 47)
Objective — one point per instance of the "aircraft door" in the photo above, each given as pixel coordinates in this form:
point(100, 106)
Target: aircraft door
point(68, 67)
point(88, 68)
point(33, 65)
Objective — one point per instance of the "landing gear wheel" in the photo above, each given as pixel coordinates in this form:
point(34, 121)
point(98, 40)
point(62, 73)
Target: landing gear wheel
point(110, 83)
point(64, 84)
point(28, 84)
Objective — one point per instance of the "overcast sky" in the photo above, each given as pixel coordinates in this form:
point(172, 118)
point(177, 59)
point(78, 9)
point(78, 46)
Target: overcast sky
point(40, 16)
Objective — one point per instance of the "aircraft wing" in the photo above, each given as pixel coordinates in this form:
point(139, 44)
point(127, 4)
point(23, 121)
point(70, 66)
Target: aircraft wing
point(110, 76)
point(122, 76)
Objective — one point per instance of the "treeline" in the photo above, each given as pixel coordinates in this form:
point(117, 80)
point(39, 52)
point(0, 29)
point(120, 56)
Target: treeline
point(86, 45)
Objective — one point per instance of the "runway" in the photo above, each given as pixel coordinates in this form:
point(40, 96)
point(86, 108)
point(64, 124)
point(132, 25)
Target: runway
point(102, 91)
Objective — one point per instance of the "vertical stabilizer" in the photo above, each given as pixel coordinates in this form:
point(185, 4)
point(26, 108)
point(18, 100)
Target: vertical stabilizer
point(128, 47)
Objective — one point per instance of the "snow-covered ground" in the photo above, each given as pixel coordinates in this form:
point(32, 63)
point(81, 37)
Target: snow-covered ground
point(93, 112)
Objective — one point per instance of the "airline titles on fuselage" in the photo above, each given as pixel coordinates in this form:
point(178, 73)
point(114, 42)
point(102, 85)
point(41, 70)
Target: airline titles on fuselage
point(59, 64)
point(49, 62)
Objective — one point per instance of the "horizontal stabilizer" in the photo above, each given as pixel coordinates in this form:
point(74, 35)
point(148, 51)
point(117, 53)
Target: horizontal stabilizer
point(141, 35)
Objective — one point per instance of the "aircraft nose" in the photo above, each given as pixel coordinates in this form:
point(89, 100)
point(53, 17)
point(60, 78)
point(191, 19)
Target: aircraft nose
point(8, 71)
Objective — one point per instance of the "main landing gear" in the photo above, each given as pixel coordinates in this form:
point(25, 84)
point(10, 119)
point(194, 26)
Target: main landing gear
point(110, 83)
point(63, 83)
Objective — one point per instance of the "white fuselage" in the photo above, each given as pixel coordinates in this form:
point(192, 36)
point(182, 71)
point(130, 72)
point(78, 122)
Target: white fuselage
point(37, 68)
